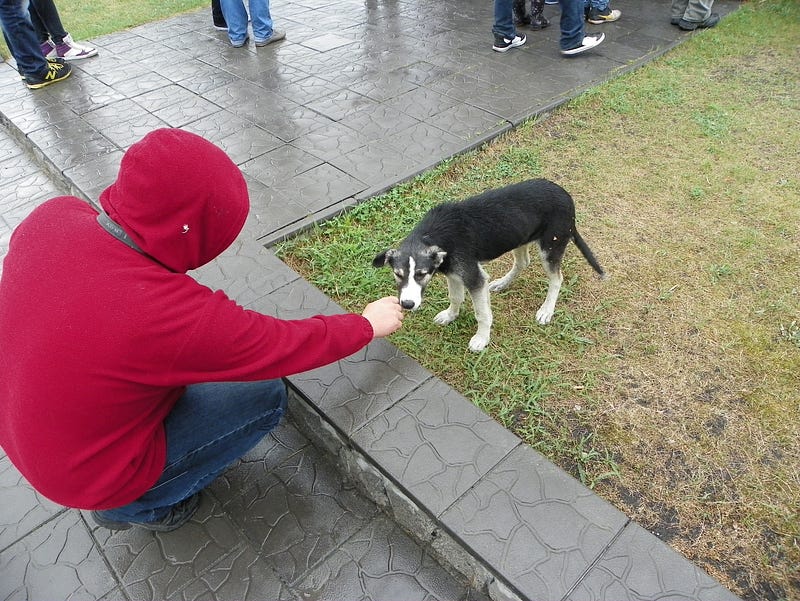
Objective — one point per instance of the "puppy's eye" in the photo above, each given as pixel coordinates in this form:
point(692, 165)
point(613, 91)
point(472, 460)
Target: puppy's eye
point(398, 275)
point(420, 274)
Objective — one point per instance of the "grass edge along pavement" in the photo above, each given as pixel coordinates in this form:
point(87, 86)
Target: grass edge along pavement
point(671, 389)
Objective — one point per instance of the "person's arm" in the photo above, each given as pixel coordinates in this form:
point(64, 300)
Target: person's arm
point(230, 343)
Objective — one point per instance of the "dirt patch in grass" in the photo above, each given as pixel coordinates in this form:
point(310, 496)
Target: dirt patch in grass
point(672, 387)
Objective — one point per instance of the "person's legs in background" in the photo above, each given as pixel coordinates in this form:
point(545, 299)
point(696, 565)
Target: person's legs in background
point(693, 14)
point(217, 17)
point(22, 43)
point(54, 40)
point(599, 11)
point(263, 31)
point(505, 34)
point(209, 428)
point(573, 41)
point(236, 18)
point(538, 20)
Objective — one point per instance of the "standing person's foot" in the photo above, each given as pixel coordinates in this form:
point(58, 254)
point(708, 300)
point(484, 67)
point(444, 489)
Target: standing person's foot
point(53, 73)
point(277, 35)
point(597, 16)
point(220, 24)
point(71, 50)
point(502, 43)
point(588, 42)
point(711, 21)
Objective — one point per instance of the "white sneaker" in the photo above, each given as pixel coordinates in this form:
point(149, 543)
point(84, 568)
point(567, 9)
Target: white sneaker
point(70, 50)
point(589, 42)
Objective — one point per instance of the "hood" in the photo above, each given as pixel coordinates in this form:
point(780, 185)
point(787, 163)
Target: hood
point(179, 197)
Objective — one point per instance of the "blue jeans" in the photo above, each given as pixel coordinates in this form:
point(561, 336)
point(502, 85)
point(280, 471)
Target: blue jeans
point(236, 18)
point(598, 4)
point(210, 427)
point(503, 19)
point(21, 37)
point(572, 16)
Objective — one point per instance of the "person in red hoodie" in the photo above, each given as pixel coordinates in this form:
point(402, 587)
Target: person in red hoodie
point(127, 386)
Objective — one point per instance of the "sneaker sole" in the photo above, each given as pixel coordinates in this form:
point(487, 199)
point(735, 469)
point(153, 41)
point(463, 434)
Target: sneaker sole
point(80, 56)
point(37, 86)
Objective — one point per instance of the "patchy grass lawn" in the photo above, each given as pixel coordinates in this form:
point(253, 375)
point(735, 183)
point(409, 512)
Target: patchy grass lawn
point(672, 387)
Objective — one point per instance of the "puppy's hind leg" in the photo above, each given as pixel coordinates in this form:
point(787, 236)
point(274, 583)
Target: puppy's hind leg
point(522, 259)
point(552, 265)
point(455, 290)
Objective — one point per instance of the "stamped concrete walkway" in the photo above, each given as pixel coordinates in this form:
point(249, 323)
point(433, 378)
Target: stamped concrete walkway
point(385, 484)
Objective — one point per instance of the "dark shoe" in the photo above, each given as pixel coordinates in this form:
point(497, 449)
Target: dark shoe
point(589, 42)
point(712, 20)
point(675, 21)
point(538, 20)
point(518, 10)
point(277, 34)
point(502, 43)
point(55, 72)
point(607, 15)
point(177, 516)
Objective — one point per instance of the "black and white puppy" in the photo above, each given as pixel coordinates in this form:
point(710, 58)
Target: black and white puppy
point(455, 238)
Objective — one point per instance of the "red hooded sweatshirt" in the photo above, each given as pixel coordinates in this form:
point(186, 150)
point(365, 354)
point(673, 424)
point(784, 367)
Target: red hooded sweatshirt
point(98, 341)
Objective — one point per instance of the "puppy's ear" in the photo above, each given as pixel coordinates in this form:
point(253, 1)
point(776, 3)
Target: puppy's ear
point(437, 255)
point(383, 258)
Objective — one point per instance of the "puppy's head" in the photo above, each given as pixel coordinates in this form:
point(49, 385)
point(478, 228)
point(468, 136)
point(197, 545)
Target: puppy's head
point(412, 270)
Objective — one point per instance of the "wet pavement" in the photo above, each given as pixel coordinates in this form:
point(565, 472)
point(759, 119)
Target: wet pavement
point(384, 483)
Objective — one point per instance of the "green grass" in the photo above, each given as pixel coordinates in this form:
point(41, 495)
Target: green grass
point(671, 388)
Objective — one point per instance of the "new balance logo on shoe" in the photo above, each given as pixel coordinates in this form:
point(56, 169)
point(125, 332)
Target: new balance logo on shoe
point(54, 72)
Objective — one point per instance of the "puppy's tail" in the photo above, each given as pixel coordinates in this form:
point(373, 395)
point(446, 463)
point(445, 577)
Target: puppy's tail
point(587, 253)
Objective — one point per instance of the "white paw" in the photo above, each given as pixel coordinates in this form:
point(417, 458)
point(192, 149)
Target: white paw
point(544, 315)
point(477, 343)
point(498, 285)
point(444, 317)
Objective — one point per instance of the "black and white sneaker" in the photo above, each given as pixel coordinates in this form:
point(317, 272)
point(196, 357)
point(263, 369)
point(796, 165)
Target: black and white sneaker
point(589, 42)
point(502, 43)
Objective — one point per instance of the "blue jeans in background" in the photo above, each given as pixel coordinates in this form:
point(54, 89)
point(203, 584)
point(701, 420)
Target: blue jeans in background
point(236, 18)
point(598, 4)
point(21, 37)
point(503, 19)
point(210, 427)
point(572, 16)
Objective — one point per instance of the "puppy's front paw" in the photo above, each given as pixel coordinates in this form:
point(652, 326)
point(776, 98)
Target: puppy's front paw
point(444, 317)
point(498, 285)
point(477, 343)
point(544, 315)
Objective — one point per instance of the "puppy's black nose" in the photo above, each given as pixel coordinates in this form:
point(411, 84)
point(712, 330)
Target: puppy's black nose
point(407, 304)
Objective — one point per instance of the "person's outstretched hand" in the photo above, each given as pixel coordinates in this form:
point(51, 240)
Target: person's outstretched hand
point(385, 315)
